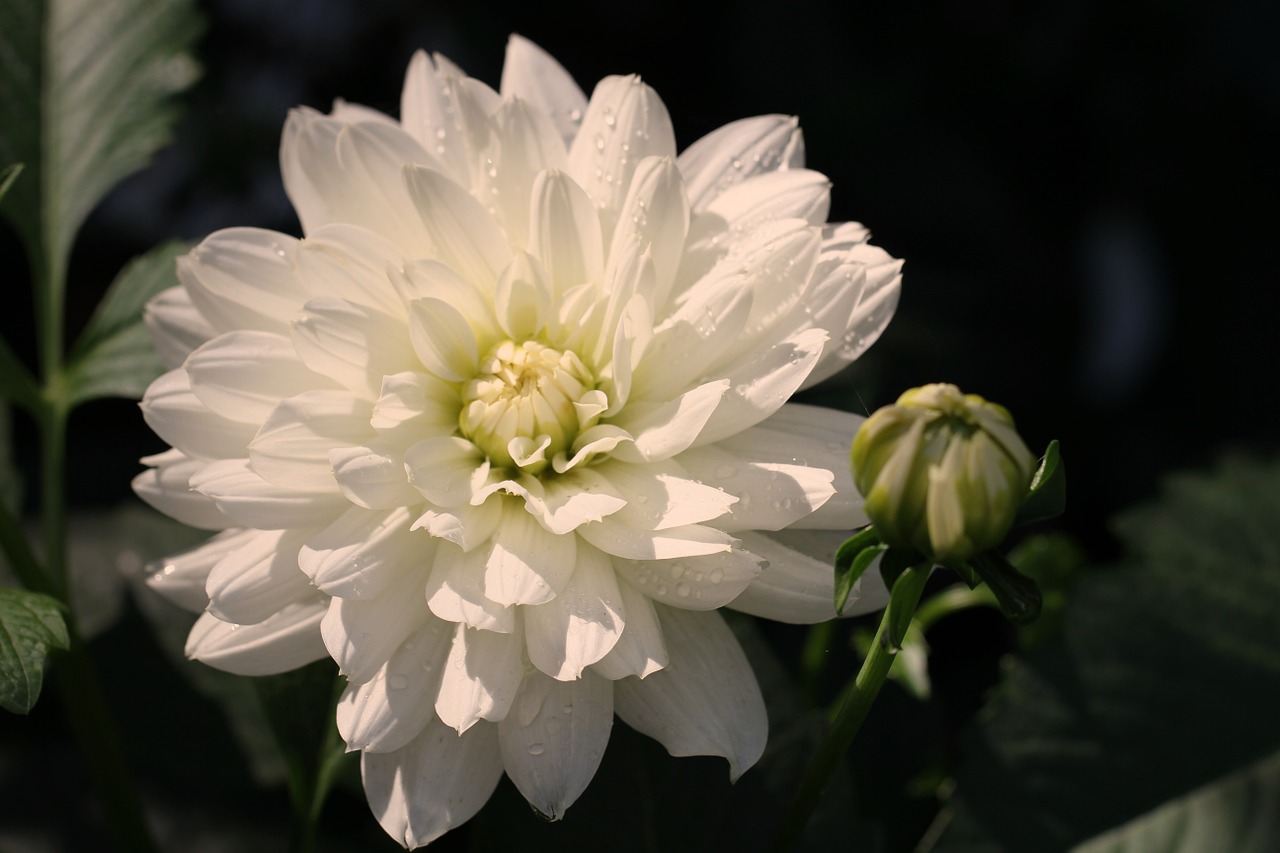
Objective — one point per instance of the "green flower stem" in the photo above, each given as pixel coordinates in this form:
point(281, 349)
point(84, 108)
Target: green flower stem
point(845, 726)
point(104, 758)
point(53, 498)
point(23, 561)
point(952, 600)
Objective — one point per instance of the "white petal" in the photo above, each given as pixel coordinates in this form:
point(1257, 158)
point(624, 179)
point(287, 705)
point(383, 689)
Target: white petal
point(554, 737)
point(762, 383)
point(819, 439)
point(464, 525)
point(177, 327)
point(524, 143)
point(243, 375)
point(352, 262)
point(244, 278)
point(688, 540)
point(522, 299)
point(287, 640)
point(390, 709)
point(336, 172)
point(443, 339)
point(246, 498)
point(527, 564)
point(167, 487)
point(640, 650)
point(352, 344)
point(655, 215)
point(857, 299)
point(692, 583)
point(292, 447)
point(372, 477)
point(573, 499)
point(624, 123)
point(464, 234)
point(180, 418)
point(455, 592)
point(182, 577)
point(662, 495)
point(663, 429)
point(446, 469)
point(564, 232)
point(737, 151)
point(788, 194)
point(414, 403)
point(436, 782)
point(481, 677)
point(771, 495)
point(363, 551)
point(530, 73)
point(706, 701)
point(579, 626)
point(362, 633)
point(799, 589)
point(443, 114)
point(259, 578)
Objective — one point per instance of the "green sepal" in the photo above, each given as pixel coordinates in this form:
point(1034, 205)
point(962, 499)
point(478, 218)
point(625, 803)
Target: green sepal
point(31, 626)
point(966, 572)
point(896, 561)
point(1047, 497)
point(903, 598)
point(1018, 595)
point(852, 559)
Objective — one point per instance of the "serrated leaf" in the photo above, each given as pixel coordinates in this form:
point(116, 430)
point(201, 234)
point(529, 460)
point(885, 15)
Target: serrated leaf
point(31, 625)
point(1166, 677)
point(1047, 497)
point(1236, 813)
point(115, 356)
point(86, 92)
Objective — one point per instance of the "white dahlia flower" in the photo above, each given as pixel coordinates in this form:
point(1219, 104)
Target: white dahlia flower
point(509, 424)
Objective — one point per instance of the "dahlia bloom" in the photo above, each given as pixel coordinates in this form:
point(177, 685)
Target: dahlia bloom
point(509, 425)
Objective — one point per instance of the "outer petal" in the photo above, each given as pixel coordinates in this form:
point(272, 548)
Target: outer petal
point(579, 626)
point(481, 678)
point(259, 578)
point(564, 232)
point(554, 737)
point(706, 702)
point(692, 583)
point(455, 592)
point(464, 234)
point(436, 782)
point(363, 551)
point(167, 487)
point(292, 447)
point(243, 375)
point(737, 151)
point(247, 499)
point(640, 650)
point(352, 344)
point(655, 215)
point(244, 278)
point(527, 564)
point(445, 114)
point(177, 327)
point(664, 429)
point(771, 495)
point(362, 634)
point(177, 415)
point(182, 577)
point(688, 540)
point(286, 641)
point(531, 74)
point(390, 709)
point(799, 589)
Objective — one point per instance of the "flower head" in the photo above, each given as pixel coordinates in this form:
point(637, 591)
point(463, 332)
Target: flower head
point(509, 425)
point(943, 472)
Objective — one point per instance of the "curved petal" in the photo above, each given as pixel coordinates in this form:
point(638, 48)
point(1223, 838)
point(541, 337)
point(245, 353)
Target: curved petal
point(663, 429)
point(243, 375)
point(246, 498)
point(372, 477)
point(463, 234)
point(390, 709)
point(799, 589)
point(481, 677)
point(455, 592)
point(662, 495)
point(706, 702)
point(444, 114)
point(654, 215)
point(181, 578)
point(525, 142)
point(692, 583)
point(640, 650)
point(259, 578)
point(292, 447)
point(285, 641)
point(446, 469)
point(579, 626)
point(363, 551)
point(527, 564)
point(464, 525)
point(362, 633)
point(564, 232)
point(437, 781)
point(179, 417)
point(350, 343)
point(771, 495)
point(554, 737)
point(531, 74)
point(244, 278)
point(167, 487)
point(737, 151)
point(443, 339)
point(177, 327)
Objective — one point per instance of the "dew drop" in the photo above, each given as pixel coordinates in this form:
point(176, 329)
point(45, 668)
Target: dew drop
point(677, 570)
point(716, 576)
point(568, 710)
point(536, 749)
point(682, 589)
point(599, 142)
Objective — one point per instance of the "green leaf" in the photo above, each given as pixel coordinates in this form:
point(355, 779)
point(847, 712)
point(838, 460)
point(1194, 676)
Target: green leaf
point(1235, 813)
point(1166, 677)
point(31, 625)
point(1018, 595)
point(115, 357)
point(852, 559)
point(1047, 497)
point(86, 92)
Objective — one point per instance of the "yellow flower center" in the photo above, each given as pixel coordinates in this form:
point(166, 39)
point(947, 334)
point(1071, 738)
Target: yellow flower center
point(528, 403)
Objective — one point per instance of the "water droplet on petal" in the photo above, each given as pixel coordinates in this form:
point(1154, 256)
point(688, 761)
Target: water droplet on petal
point(716, 576)
point(536, 749)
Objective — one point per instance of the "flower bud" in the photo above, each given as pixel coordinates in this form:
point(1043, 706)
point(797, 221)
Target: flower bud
point(941, 472)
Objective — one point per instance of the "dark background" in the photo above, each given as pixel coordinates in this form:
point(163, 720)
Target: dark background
point(1084, 193)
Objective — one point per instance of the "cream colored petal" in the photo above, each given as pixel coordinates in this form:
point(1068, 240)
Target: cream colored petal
point(527, 564)
point(663, 429)
point(292, 447)
point(179, 417)
point(167, 487)
point(798, 588)
point(706, 701)
point(579, 626)
point(352, 344)
point(285, 641)
point(662, 495)
point(246, 498)
point(177, 327)
point(740, 150)
point(655, 216)
point(692, 583)
point(446, 469)
point(640, 650)
point(564, 232)
point(443, 339)
point(531, 74)
point(363, 551)
point(463, 234)
point(467, 526)
point(481, 677)
point(181, 578)
point(244, 278)
point(259, 578)
point(243, 375)
point(361, 634)
point(373, 477)
point(687, 540)
point(455, 592)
